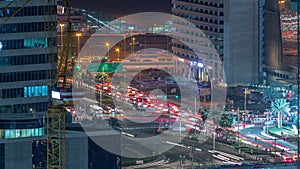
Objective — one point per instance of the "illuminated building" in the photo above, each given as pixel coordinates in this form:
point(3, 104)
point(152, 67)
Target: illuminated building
point(246, 35)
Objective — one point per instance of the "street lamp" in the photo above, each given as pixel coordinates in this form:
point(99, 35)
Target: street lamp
point(124, 47)
point(118, 50)
point(78, 42)
point(133, 42)
point(267, 122)
point(61, 33)
point(154, 32)
point(238, 120)
point(245, 105)
point(107, 44)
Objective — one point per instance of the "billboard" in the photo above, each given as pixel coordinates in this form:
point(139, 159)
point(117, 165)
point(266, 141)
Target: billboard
point(105, 67)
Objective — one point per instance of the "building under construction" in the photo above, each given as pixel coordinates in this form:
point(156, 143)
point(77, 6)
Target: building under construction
point(28, 60)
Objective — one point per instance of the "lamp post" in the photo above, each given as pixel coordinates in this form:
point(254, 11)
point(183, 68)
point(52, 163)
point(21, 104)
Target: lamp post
point(214, 141)
point(267, 122)
point(132, 47)
point(124, 47)
point(61, 33)
point(195, 104)
point(154, 32)
point(101, 88)
point(238, 119)
point(118, 51)
point(78, 42)
point(180, 130)
point(107, 45)
point(245, 103)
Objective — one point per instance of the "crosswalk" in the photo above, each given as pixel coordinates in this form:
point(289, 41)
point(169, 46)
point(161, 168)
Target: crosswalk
point(147, 165)
point(139, 128)
point(226, 158)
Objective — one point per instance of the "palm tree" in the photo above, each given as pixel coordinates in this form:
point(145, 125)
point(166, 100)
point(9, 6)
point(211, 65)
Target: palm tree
point(278, 107)
point(101, 77)
point(270, 94)
point(226, 121)
point(204, 114)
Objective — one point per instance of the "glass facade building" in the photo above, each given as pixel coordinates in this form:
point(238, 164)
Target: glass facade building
point(28, 55)
point(246, 35)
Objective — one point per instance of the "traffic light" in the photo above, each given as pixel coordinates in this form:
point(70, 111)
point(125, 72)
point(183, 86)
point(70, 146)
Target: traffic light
point(176, 96)
point(105, 57)
point(73, 56)
point(255, 138)
point(165, 97)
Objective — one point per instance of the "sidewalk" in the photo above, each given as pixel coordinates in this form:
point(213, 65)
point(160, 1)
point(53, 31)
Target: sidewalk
point(159, 161)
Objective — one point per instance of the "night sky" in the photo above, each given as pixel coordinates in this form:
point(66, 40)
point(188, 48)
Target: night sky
point(118, 8)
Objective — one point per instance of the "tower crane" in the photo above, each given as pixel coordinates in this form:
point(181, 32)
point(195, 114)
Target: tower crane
point(56, 115)
point(15, 12)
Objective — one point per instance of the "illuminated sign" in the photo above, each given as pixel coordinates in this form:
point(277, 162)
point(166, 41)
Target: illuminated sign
point(105, 67)
point(55, 95)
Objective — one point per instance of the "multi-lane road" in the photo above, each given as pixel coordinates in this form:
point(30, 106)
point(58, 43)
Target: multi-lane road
point(203, 156)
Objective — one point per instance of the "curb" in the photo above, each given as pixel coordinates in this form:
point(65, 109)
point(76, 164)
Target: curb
point(160, 160)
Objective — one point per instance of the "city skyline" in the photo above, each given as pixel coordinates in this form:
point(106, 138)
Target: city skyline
point(208, 88)
point(119, 8)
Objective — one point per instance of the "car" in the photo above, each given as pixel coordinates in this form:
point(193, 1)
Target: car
point(288, 160)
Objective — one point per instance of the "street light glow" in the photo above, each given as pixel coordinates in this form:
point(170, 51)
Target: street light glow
point(107, 44)
point(78, 34)
point(118, 50)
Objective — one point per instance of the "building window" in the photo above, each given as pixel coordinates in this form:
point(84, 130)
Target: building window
point(25, 43)
point(27, 59)
point(34, 91)
point(25, 76)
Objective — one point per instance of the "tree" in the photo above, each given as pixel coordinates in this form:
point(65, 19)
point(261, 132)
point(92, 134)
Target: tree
point(278, 107)
point(101, 77)
point(270, 94)
point(204, 114)
point(226, 121)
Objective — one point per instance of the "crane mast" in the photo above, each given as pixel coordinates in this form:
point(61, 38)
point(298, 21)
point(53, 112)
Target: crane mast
point(56, 115)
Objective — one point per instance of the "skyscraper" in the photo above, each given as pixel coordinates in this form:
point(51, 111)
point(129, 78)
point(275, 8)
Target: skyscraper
point(28, 54)
point(28, 61)
point(243, 33)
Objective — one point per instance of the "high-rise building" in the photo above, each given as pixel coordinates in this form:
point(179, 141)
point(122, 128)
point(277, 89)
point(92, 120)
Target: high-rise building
point(243, 33)
point(28, 61)
point(28, 54)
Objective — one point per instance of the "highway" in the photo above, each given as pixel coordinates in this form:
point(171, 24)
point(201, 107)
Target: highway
point(141, 138)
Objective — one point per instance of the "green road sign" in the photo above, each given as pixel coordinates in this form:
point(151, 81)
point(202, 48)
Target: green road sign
point(105, 67)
